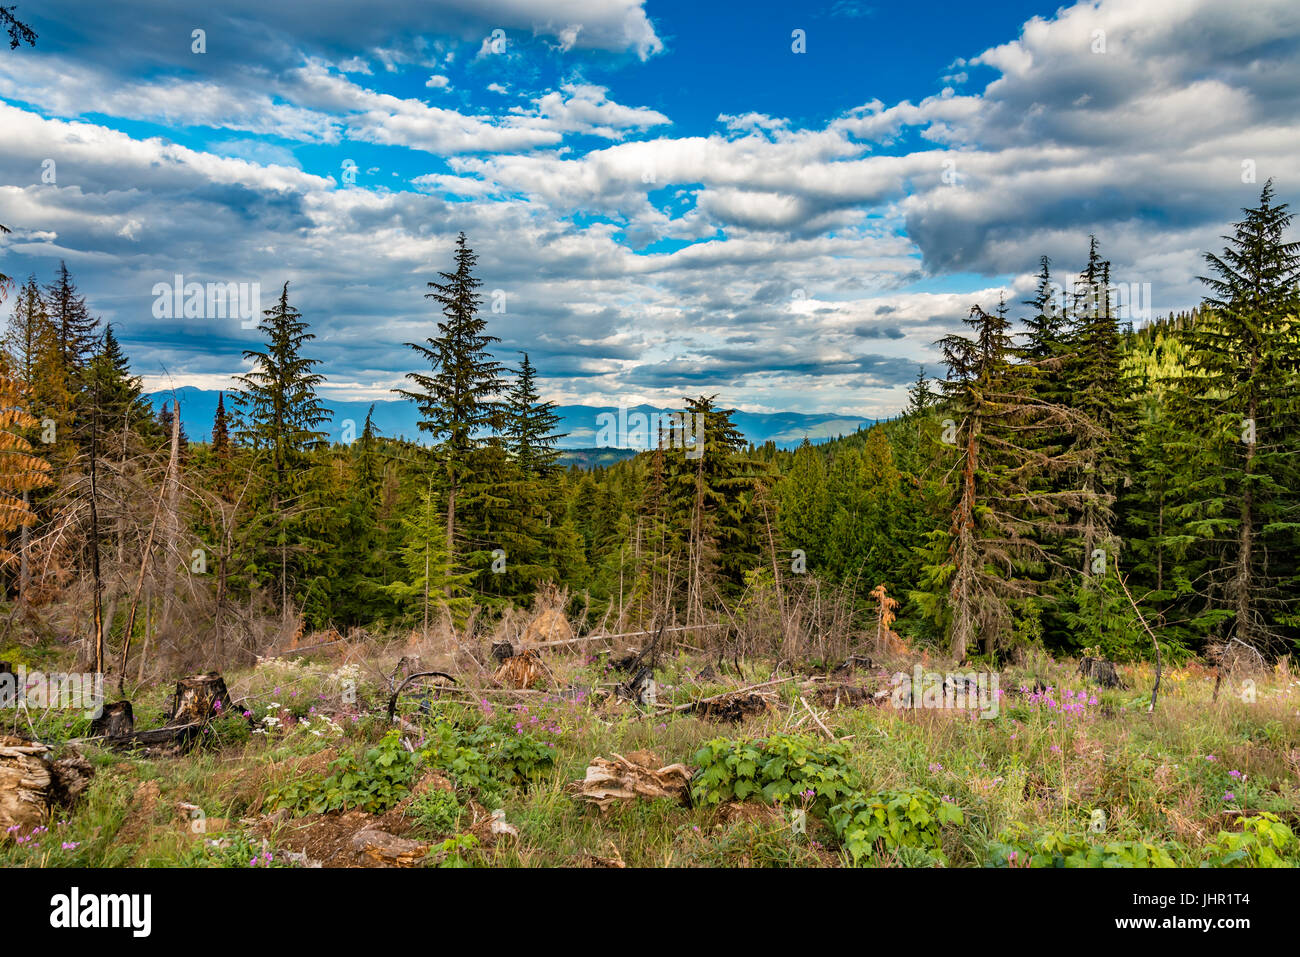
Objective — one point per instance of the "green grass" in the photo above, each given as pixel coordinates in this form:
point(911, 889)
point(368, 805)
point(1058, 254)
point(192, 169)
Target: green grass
point(1032, 778)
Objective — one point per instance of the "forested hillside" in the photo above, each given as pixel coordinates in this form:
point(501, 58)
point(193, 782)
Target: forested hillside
point(1063, 459)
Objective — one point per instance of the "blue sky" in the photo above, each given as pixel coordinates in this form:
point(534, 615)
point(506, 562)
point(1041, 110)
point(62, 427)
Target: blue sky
point(666, 197)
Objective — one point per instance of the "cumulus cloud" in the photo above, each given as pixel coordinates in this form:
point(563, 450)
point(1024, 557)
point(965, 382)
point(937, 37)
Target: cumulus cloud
point(785, 264)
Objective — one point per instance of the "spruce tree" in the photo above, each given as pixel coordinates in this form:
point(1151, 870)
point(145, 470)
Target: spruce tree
point(1236, 414)
point(457, 398)
point(77, 329)
point(278, 417)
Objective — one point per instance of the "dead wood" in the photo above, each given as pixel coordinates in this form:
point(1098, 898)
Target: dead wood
point(392, 699)
point(116, 720)
point(31, 783)
point(1101, 671)
point(199, 698)
point(521, 671)
point(620, 780)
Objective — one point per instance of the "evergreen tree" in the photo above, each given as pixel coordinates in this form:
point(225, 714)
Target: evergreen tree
point(1236, 411)
point(124, 409)
point(979, 569)
point(77, 329)
point(221, 430)
point(457, 398)
point(429, 586)
point(279, 414)
point(529, 432)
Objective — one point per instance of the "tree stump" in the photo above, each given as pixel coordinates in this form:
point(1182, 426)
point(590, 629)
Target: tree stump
point(31, 784)
point(1101, 671)
point(24, 784)
point(116, 720)
point(199, 698)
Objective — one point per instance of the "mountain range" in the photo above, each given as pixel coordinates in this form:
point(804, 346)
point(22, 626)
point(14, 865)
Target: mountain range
point(397, 418)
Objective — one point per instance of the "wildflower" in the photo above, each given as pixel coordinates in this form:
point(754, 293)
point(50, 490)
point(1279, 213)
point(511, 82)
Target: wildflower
point(1210, 757)
point(1056, 749)
point(71, 845)
point(1229, 797)
point(935, 767)
point(1234, 774)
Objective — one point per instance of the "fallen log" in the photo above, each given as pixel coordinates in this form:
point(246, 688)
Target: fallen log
point(176, 736)
point(692, 705)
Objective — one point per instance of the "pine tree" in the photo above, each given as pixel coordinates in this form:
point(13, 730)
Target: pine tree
point(980, 568)
point(429, 587)
point(1097, 391)
point(221, 430)
point(279, 414)
point(77, 329)
point(122, 405)
point(457, 398)
point(709, 486)
point(804, 506)
point(1236, 412)
point(529, 433)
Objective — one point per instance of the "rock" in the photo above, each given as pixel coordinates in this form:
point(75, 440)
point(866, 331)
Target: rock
point(388, 849)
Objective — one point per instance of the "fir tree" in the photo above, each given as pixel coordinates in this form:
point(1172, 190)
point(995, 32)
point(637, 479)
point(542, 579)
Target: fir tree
point(456, 398)
point(1236, 411)
point(279, 415)
point(76, 328)
point(529, 432)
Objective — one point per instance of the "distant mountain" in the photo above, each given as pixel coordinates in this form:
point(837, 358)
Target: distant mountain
point(588, 427)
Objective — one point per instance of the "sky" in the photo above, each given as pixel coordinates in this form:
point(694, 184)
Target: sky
point(782, 204)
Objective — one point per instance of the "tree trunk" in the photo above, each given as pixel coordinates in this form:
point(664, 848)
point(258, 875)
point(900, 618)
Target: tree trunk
point(199, 698)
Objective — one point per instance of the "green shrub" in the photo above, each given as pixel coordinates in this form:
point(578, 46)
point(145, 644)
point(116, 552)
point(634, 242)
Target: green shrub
point(911, 818)
point(374, 783)
point(436, 812)
point(782, 768)
point(1263, 841)
point(484, 761)
point(1059, 849)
